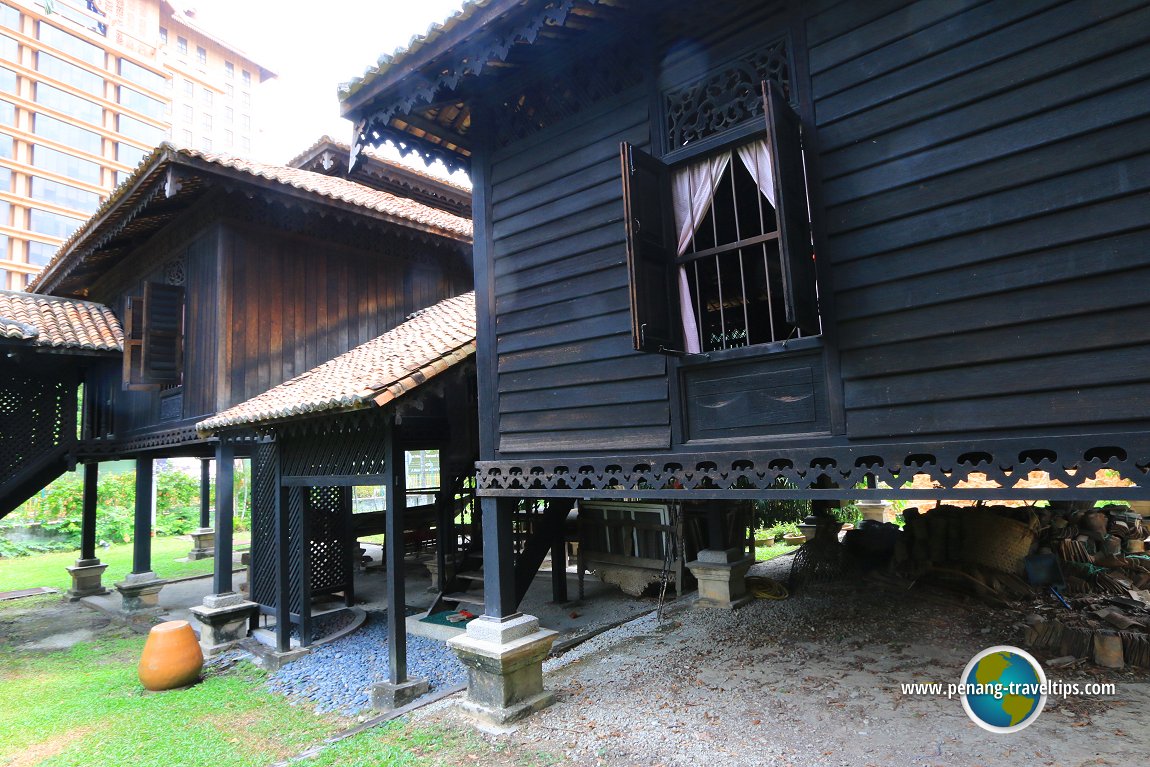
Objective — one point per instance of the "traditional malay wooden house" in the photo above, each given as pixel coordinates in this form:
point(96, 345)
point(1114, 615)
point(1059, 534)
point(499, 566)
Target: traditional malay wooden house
point(739, 250)
point(228, 276)
point(358, 421)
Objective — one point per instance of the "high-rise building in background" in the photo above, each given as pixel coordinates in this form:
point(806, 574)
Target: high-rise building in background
point(88, 88)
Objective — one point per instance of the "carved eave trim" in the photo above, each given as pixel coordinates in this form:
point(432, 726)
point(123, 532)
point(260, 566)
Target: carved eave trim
point(810, 472)
point(390, 103)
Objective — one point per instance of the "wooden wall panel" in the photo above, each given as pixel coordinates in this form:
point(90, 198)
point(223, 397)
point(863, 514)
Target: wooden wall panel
point(984, 174)
point(298, 301)
point(569, 378)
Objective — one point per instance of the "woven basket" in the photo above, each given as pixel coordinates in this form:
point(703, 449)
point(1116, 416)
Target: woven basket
point(996, 541)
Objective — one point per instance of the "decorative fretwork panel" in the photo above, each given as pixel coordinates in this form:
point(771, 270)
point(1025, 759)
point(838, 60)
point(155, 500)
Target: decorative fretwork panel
point(338, 452)
point(263, 553)
point(297, 599)
point(726, 98)
point(329, 538)
point(174, 272)
point(37, 417)
point(997, 469)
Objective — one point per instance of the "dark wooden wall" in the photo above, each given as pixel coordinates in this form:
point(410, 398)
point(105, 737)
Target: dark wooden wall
point(982, 229)
point(191, 241)
point(264, 304)
point(294, 301)
point(568, 376)
point(985, 169)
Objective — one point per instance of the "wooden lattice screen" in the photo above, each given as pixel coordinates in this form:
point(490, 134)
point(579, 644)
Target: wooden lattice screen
point(328, 525)
point(320, 515)
point(37, 426)
point(263, 569)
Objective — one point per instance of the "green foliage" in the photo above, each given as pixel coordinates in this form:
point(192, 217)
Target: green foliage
point(848, 514)
point(776, 531)
point(58, 509)
point(772, 512)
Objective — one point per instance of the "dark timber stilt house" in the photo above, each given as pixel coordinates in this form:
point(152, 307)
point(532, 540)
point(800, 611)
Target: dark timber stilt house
point(745, 250)
point(204, 281)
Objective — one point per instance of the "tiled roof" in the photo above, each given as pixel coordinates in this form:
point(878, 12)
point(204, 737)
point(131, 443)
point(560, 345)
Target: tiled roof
point(381, 370)
point(343, 190)
point(385, 205)
point(63, 323)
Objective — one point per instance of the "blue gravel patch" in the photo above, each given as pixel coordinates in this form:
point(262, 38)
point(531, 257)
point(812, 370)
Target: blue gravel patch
point(337, 677)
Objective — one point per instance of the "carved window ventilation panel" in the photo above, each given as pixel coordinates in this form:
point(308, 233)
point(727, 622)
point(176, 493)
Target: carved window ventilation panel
point(725, 98)
point(174, 271)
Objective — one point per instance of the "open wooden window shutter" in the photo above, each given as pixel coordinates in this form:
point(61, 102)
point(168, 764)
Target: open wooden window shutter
point(134, 344)
point(798, 264)
point(163, 337)
point(650, 250)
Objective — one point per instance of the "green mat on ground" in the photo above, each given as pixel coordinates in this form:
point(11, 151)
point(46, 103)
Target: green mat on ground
point(441, 619)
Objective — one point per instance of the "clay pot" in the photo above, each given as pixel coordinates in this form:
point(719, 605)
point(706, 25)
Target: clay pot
point(171, 658)
point(792, 539)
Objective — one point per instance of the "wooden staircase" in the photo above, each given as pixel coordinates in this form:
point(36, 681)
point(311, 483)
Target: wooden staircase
point(536, 531)
point(32, 476)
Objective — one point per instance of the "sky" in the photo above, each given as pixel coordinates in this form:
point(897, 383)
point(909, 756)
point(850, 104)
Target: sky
point(312, 47)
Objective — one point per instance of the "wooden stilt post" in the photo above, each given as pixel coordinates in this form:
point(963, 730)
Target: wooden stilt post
point(205, 492)
point(395, 476)
point(88, 515)
point(88, 571)
point(498, 557)
point(559, 552)
point(225, 482)
point(444, 527)
point(142, 528)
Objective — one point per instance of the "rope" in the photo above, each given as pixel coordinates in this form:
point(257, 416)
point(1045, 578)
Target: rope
point(766, 588)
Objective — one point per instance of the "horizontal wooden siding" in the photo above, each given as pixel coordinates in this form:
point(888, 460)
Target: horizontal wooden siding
point(985, 171)
point(569, 378)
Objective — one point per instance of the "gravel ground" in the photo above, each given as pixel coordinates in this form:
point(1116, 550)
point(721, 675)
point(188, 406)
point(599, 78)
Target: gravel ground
point(812, 680)
point(338, 676)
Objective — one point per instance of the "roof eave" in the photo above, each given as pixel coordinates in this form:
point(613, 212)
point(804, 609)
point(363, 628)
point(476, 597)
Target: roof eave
point(355, 94)
point(144, 176)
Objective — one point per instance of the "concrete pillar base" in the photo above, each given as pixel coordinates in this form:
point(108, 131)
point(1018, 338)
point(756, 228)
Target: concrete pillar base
point(875, 511)
point(140, 591)
point(269, 658)
point(224, 621)
point(432, 565)
point(86, 580)
point(722, 577)
point(504, 660)
point(386, 696)
point(203, 543)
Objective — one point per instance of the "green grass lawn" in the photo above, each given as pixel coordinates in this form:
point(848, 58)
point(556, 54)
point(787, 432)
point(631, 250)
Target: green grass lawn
point(768, 550)
point(86, 706)
point(49, 569)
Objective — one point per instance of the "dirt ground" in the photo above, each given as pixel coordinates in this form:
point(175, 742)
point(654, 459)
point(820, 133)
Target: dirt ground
point(813, 680)
point(810, 680)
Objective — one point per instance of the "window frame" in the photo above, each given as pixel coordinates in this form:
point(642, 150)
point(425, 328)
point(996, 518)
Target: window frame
point(156, 318)
point(661, 313)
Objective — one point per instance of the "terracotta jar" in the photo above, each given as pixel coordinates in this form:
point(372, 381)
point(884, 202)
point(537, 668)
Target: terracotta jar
point(171, 658)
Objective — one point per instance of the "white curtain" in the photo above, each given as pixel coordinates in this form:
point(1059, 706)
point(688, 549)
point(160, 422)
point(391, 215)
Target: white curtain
point(757, 159)
point(693, 188)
